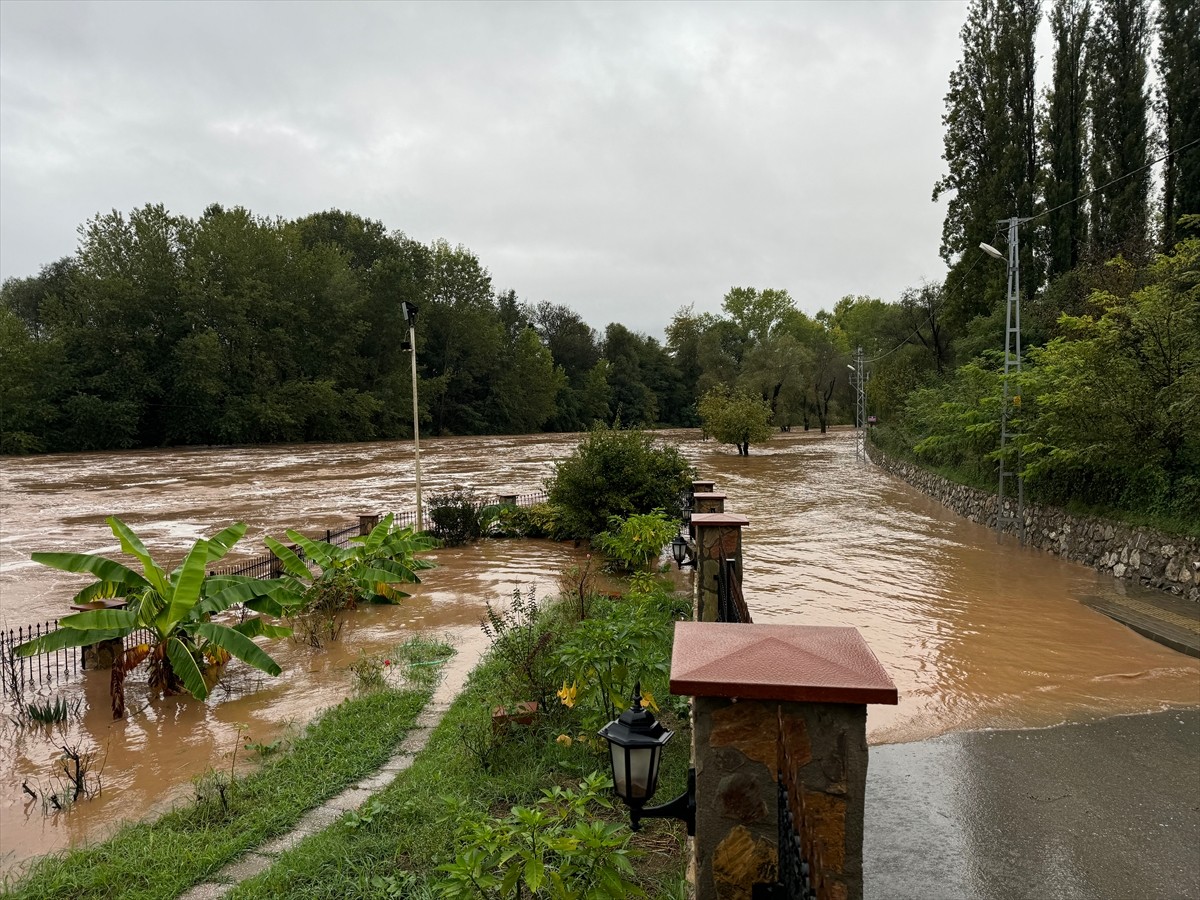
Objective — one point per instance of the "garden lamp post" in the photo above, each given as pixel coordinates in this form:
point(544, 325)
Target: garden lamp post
point(680, 552)
point(635, 742)
point(409, 311)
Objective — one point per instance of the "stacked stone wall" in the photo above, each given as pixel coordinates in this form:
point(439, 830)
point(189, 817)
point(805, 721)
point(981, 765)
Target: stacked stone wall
point(1153, 558)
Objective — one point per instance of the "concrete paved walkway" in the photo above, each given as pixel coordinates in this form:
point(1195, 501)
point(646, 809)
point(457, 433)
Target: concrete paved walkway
point(323, 816)
point(1170, 620)
point(1106, 810)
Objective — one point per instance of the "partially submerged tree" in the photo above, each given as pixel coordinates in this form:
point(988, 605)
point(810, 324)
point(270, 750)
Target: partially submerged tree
point(734, 417)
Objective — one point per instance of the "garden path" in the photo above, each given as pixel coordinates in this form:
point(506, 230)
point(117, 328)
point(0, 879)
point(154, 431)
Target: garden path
point(469, 649)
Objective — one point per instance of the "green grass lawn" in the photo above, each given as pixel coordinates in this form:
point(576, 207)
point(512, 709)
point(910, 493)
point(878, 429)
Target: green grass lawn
point(161, 859)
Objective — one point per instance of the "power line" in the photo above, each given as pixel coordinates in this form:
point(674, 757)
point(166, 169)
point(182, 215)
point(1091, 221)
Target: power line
point(1079, 199)
point(1109, 184)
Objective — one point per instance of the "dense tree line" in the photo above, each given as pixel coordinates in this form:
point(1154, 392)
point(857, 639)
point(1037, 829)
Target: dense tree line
point(232, 328)
point(1105, 411)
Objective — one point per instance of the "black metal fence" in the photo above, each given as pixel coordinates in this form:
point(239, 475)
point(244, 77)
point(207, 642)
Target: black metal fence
point(731, 604)
point(19, 672)
point(800, 873)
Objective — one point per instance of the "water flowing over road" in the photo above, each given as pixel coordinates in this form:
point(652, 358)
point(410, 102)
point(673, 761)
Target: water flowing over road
point(976, 633)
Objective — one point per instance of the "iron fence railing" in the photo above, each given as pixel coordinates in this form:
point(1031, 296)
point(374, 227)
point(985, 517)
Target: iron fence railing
point(799, 874)
point(731, 604)
point(16, 672)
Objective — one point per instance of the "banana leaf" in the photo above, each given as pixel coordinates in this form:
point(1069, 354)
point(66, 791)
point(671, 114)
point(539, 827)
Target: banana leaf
point(238, 645)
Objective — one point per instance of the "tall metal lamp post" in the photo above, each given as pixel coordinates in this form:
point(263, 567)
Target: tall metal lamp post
point(1012, 362)
point(409, 311)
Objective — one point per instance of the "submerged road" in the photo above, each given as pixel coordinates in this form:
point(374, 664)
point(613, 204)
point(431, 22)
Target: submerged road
point(1106, 810)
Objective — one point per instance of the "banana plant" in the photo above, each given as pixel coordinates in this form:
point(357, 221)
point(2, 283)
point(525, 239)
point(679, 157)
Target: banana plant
point(187, 649)
point(374, 564)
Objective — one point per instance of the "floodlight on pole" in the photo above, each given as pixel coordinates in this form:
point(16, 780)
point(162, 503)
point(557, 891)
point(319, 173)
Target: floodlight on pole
point(990, 250)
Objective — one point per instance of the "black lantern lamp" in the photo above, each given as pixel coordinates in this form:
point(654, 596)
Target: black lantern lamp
point(681, 552)
point(635, 742)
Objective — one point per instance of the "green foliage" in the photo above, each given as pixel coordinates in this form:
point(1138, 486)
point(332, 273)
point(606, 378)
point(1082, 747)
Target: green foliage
point(187, 649)
point(733, 417)
point(162, 859)
point(459, 517)
point(52, 712)
point(615, 473)
point(624, 641)
point(555, 848)
point(1113, 410)
point(368, 570)
point(524, 638)
point(637, 541)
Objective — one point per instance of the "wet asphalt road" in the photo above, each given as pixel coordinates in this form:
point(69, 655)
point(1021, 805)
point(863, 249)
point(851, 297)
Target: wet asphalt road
point(1108, 810)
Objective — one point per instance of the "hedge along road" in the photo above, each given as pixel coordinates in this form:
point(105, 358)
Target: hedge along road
point(977, 634)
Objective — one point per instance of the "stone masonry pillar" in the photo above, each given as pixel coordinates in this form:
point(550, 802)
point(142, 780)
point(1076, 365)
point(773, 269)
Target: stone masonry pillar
point(703, 487)
point(716, 533)
point(759, 689)
point(708, 502)
point(366, 523)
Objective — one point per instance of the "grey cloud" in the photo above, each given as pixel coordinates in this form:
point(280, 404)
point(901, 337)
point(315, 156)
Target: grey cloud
point(621, 159)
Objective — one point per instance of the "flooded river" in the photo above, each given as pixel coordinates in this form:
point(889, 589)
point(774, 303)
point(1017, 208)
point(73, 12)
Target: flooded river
point(976, 634)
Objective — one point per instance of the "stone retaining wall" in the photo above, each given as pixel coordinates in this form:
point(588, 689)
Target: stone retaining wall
point(1168, 562)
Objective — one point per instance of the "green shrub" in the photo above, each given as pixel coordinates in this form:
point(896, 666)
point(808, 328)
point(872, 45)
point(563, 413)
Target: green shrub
point(616, 473)
point(456, 517)
point(636, 542)
point(556, 848)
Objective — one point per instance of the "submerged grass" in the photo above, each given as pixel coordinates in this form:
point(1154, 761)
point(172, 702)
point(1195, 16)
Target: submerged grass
point(413, 825)
point(161, 859)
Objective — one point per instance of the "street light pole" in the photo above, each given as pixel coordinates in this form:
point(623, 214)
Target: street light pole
point(410, 313)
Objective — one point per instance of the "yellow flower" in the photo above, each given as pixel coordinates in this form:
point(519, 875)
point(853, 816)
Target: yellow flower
point(648, 701)
point(567, 694)
point(564, 739)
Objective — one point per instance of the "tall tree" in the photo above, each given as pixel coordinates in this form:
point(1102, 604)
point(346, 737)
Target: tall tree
point(1120, 136)
point(990, 150)
point(1064, 137)
point(1179, 112)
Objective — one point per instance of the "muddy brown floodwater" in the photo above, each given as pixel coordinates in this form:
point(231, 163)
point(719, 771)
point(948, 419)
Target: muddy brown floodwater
point(976, 633)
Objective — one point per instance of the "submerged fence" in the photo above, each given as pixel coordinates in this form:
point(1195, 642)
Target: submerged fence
point(61, 665)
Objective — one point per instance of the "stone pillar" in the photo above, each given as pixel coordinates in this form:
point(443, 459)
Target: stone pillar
point(507, 499)
point(366, 523)
point(703, 487)
point(708, 502)
point(772, 697)
point(102, 654)
point(715, 533)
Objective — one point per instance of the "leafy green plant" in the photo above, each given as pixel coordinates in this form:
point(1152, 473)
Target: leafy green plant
point(369, 570)
point(53, 712)
point(556, 848)
point(616, 473)
point(523, 637)
point(636, 542)
point(602, 658)
point(459, 517)
point(187, 649)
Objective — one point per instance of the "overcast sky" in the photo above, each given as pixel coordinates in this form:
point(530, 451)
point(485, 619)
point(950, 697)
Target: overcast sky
point(622, 159)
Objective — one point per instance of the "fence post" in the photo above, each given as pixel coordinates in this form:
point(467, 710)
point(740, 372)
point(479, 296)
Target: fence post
point(718, 536)
point(366, 523)
point(757, 689)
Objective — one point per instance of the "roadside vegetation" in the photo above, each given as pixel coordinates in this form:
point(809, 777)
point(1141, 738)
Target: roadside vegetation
point(229, 815)
point(505, 802)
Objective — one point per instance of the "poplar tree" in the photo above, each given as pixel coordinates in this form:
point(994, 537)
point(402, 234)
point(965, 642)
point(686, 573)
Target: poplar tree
point(1179, 112)
point(1119, 102)
point(990, 150)
point(1064, 136)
